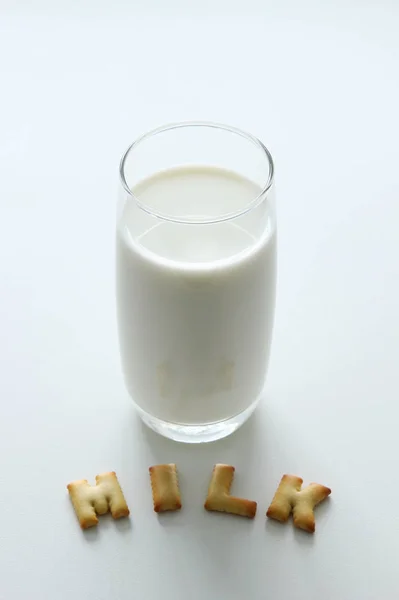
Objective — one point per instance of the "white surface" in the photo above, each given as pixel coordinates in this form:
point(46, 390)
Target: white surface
point(196, 302)
point(318, 83)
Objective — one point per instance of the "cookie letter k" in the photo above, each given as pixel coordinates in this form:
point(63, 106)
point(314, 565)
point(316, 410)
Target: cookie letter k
point(289, 497)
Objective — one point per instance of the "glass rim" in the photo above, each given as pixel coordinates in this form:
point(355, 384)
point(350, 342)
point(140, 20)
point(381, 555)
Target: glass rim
point(196, 220)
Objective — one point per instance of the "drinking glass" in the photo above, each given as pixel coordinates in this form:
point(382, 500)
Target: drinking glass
point(196, 277)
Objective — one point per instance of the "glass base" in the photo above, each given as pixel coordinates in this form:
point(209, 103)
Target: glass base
point(197, 434)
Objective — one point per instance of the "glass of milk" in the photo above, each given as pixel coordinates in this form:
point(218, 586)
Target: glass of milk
point(196, 277)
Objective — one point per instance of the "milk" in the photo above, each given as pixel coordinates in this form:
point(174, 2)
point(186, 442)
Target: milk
point(195, 301)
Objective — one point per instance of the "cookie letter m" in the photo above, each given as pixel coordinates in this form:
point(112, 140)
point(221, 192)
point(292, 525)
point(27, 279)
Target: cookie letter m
point(90, 501)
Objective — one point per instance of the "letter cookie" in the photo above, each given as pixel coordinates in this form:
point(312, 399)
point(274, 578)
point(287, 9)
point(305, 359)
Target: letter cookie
point(219, 498)
point(165, 487)
point(289, 497)
point(90, 501)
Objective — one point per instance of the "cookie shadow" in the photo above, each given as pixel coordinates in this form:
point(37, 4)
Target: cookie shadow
point(303, 538)
point(276, 529)
point(281, 531)
point(123, 525)
point(105, 522)
point(91, 535)
point(170, 519)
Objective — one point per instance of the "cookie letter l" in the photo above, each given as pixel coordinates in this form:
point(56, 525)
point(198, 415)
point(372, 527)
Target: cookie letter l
point(219, 498)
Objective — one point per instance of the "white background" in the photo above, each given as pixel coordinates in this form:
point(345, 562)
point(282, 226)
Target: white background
point(318, 83)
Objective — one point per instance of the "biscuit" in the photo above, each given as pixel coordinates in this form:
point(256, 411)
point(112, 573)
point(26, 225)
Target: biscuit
point(219, 498)
point(90, 501)
point(165, 487)
point(290, 498)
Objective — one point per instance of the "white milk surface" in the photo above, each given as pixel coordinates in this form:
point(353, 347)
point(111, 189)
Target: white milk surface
point(195, 302)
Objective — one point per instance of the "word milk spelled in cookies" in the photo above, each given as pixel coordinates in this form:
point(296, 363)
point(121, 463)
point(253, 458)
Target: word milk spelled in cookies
point(165, 488)
point(90, 501)
point(289, 497)
point(219, 498)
